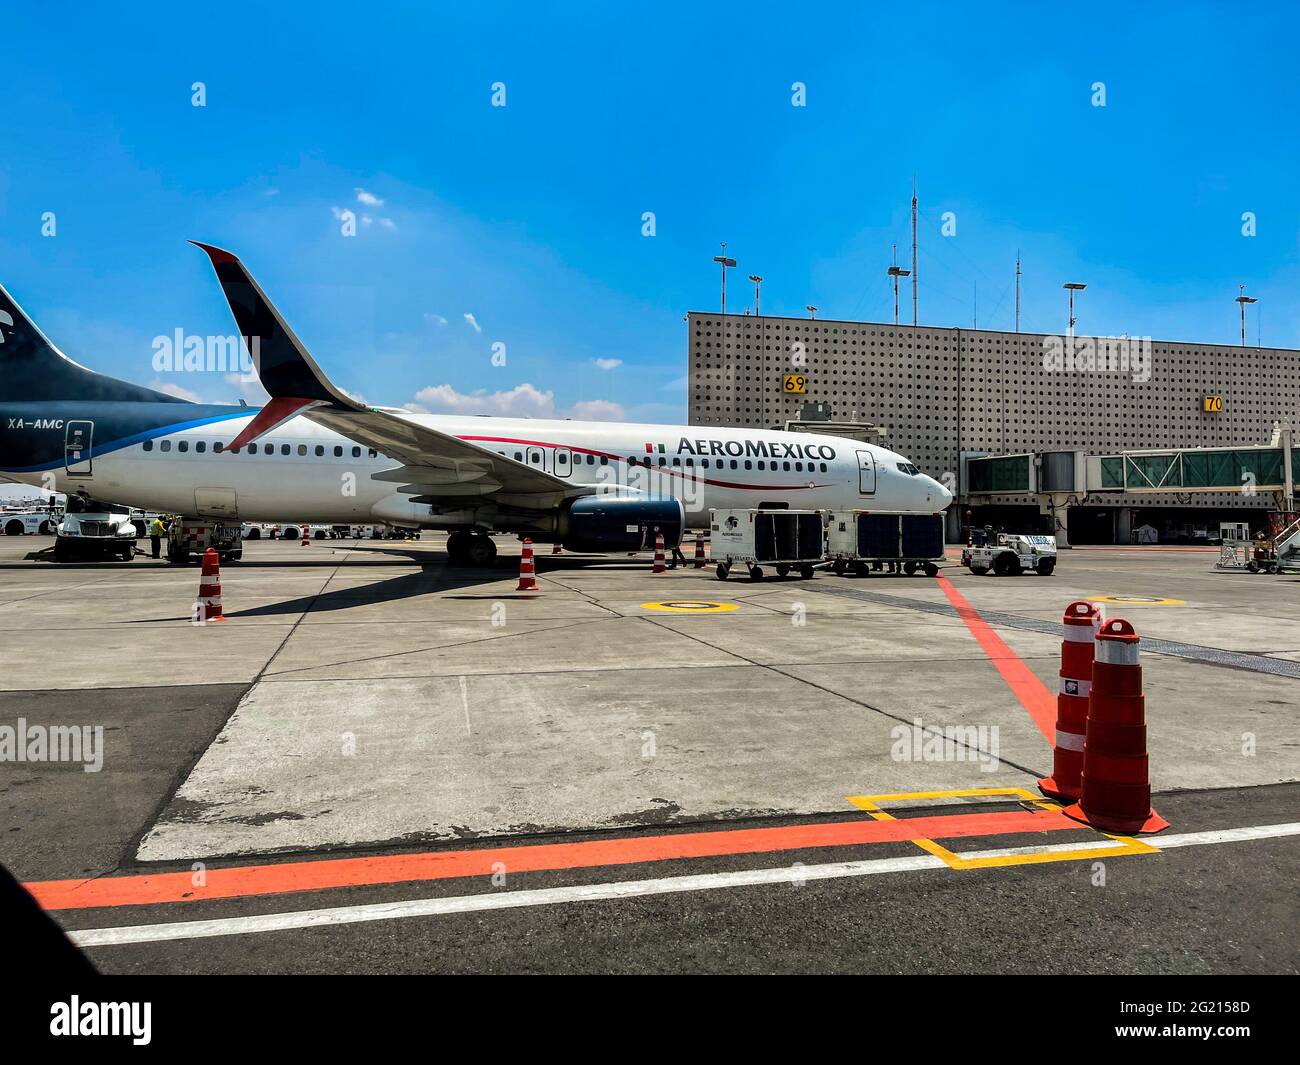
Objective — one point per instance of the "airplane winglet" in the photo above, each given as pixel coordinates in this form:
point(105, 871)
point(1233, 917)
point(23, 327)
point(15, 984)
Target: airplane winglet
point(284, 366)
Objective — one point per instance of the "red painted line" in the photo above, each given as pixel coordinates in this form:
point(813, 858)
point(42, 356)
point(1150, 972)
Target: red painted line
point(1025, 686)
point(249, 880)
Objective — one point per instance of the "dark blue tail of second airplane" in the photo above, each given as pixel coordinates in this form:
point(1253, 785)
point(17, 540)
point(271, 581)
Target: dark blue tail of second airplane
point(32, 370)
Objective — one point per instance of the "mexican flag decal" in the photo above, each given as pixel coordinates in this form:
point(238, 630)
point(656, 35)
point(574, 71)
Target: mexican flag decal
point(650, 448)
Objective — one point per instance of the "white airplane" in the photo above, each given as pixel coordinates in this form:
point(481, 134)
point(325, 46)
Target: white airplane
point(315, 454)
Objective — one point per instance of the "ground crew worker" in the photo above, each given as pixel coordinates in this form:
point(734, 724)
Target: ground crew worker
point(156, 532)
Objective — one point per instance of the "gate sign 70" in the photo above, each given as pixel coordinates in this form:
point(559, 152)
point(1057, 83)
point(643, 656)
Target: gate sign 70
point(1212, 404)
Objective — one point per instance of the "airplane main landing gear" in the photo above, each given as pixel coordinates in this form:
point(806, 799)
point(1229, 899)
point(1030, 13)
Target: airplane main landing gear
point(466, 548)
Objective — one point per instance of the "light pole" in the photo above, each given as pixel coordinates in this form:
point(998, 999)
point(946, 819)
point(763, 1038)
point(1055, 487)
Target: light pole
point(896, 272)
point(757, 281)
point(1074, 287)
point(724, 262)
point(1243, 299)
point(812, 311)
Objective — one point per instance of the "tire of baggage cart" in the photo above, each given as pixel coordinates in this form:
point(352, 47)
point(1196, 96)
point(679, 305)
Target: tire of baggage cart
point(1046, 566)
point(1006, 565)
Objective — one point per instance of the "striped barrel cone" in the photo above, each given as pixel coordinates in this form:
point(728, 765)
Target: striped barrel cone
point(1081, 622)
point(1116, 791)
point(209, 603)
point(527, 574)
point(699, 550)
point(306, 536)
point(555, 550)
point(659, 554)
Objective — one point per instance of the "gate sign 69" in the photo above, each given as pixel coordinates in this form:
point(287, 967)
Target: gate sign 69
point(795, 384)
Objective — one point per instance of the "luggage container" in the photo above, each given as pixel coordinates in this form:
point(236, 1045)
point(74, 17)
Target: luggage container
point(784, 539)
point(866, 541)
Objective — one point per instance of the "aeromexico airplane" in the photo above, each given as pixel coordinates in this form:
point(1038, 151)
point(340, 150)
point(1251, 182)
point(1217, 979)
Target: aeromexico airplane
point(315, 454)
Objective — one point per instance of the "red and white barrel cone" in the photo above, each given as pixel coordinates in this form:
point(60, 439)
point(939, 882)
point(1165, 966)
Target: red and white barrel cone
point(699, 550)
point(306, 536)
point(556, 549)
point(659, 554)
point(1082, 619)
point(1116, 791)
point(210, 588)
point(527, 574)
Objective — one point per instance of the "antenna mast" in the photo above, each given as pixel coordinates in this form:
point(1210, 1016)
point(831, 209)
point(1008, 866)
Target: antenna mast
point(915, 278)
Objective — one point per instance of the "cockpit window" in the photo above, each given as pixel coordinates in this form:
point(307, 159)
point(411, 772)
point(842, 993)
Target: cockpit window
point(909, 469)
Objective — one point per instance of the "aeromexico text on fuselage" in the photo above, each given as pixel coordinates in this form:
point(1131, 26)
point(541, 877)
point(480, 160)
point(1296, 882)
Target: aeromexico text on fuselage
point(703, 447)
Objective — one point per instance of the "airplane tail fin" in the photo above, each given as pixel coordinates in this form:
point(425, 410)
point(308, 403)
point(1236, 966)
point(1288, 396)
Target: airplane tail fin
point(34, 370)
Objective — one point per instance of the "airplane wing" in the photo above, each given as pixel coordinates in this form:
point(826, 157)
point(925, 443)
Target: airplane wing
point(436, 467)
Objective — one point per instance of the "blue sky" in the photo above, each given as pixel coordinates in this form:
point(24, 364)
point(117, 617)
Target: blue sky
point(529, 217)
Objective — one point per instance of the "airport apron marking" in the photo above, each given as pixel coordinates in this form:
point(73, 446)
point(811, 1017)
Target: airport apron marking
point(1024, 684)
point(322, 874)
point(1067, 852)
point(1136, 600)
point(613, 891)
point(691, 606)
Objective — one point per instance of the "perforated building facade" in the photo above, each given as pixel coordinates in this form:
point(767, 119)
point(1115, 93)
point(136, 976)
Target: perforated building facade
point(941, 392)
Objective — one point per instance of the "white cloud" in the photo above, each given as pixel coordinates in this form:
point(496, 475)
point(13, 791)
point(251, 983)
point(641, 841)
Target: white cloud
point(608, 364)
point(474, 322)
point(388, 223)
point(170, 388)
point(598, 410)
point(437, 319)
point(366, 220)
point(368, 198)
point(522, 401)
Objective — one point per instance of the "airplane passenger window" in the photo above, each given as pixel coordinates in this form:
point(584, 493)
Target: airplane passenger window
point(252, 449)
point(148, 445)
point(218, 446)
point(733, 464)
point(320, 450)
point(785, 466)
point(374, 453)
point(201, 446)
point(663, 461)
point(284, 449)
point(534, 458)
point(748, 465)
point(338, 451)
point(519, 456)
point(798, 467)
point(704, 464)
point(166, 445)
point(761, 466)
point(302, 449)
point(677, 462)
point(823, 467)
point(604, 460)
point(591, 460)
point(182, 445)
point(356, 452)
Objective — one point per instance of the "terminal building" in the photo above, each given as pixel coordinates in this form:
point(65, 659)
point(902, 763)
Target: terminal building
point(1024, 432)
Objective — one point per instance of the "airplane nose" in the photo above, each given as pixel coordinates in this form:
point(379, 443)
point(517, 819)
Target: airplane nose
point(940, 494)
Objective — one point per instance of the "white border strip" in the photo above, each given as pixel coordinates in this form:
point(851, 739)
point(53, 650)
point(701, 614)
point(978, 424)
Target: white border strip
point(788, 874)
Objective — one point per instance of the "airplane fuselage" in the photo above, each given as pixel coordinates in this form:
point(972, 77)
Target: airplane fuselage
point(173, 458)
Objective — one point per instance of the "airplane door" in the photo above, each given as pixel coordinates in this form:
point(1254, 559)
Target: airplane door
point(866, 473)
point(536, 457)
point(78, 441)
point(563, 462)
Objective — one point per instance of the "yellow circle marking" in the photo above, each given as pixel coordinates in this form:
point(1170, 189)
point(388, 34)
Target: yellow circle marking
point(691, 606)
point(1136, 600)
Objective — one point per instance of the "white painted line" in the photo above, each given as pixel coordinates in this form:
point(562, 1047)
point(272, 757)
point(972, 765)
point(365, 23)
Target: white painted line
point(790, 874)
point(1224, 835)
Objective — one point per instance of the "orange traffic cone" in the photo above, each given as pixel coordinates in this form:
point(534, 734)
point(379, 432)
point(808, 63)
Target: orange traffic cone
point(209, 601)
point(306, 536)
point(1082, 620)
point(527, 575)
point(659, 554)
point(1116, 791)
point(699, 550)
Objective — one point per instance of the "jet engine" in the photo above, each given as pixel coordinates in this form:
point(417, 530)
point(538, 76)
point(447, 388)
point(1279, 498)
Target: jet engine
point(606, 523)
